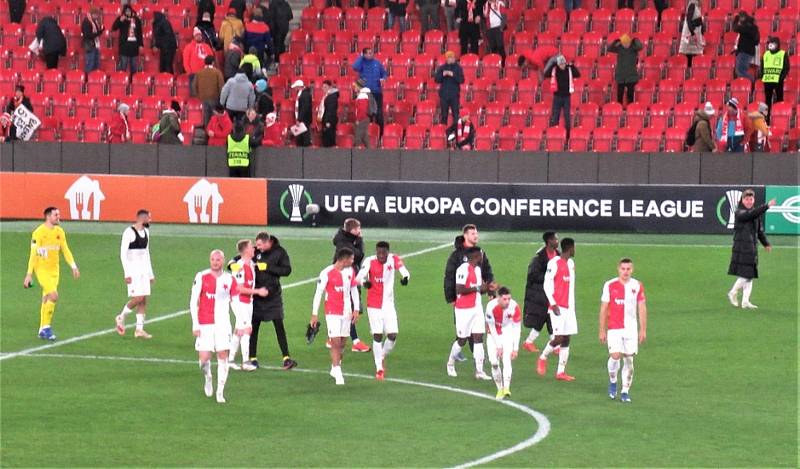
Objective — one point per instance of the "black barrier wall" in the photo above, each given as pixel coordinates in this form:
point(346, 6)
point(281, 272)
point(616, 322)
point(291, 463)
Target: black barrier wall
point(410, 165)
point(591, 207)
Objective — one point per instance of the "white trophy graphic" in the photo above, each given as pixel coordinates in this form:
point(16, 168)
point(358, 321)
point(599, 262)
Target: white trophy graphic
point(296, 191)
point(734, 196)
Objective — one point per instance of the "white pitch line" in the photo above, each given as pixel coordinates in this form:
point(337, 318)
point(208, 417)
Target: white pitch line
point(543, 423)
point(176, 314)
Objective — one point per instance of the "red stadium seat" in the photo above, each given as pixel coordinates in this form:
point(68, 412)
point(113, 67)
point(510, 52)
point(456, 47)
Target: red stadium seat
point(523, 41)
point(671, 21)
point(659, 116)
point(647, 21)
point(425, 111)
point(601, 21)
point(532, 20)
point(94, 131)
point(716, 90)
point(310, 19)
point(586, 115)
point(332, 19)
point(683, 114)
point(507, 138)
point(635, 115)
point(570, 42)
point(652, 67)
point(354, 19)
point(556, 20)
point(415, 136)
point(602, 139)
point(343, 42)
point(298, 43)
point(675, 138)
point(494, 115)
point(781, 115)
point(31, 80)
point(376, 18)
point(540, 115)
point(434, 42)
point(555, 138)
point(400, 65)
point(668, 91)
point(163, 84)
point(388, 42)
point(676, 67)
point(480, 90)
point(626, 140)
point(740, 89)
point(701, 67)
point(518, 115)
point(623, 20)
point(612, 112)
point(424, 65)
point(578, 21)
point(484, 139)
point(469, 62)
point(490, 66)
point(63, 106)
point(692, 91)
point(321, 41)
point(532, 138)
point(52, 81)
point(413, 89)
point(662, 44)
point(84, 105)
point(579, 139)
point(504, 90)
point(526, 90)
point(651, 140)
point(104, 106)
point(716, 22)
point(70, 129)
point(149, 107)
point(8, 80)
point(438, 137)
point(410, 41)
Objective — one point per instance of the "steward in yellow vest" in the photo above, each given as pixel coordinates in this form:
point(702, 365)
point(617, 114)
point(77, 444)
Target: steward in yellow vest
point(774, 69)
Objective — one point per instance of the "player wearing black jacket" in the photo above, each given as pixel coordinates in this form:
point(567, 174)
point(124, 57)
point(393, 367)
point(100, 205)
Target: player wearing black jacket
point(349, 236)
point(535, 310)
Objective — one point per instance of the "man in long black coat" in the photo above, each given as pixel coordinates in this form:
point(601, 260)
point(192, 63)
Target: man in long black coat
point(349, 236)
point(748, 230)
point(272, 263)
point(535, 310)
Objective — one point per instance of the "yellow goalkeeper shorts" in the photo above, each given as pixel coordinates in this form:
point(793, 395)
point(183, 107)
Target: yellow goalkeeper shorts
point(48, 281)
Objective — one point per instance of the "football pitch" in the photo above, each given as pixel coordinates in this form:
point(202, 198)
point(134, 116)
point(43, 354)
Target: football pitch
point(714, 385)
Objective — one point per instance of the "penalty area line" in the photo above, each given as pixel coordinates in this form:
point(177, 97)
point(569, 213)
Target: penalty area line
point(72, 340)
point(542, 422)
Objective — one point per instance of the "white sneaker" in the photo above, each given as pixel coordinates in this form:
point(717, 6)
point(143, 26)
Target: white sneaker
point(483, 376)
point(247, 366)
point(339, 380)
point(220, 398)
point(732, 298)
point(451, 370)
point(209, 387)
point(234, 366)
point(748, 305)
point(337, 376)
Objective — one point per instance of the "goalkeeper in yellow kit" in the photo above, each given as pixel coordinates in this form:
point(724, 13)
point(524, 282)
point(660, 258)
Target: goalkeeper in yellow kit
point(47, 240)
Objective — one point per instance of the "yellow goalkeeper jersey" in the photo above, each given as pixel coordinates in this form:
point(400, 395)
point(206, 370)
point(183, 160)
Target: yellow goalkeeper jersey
point(45, 245)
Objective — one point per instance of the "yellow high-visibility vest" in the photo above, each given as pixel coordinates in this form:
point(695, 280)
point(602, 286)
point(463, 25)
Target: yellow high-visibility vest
point(773, 66)
point(239, 152)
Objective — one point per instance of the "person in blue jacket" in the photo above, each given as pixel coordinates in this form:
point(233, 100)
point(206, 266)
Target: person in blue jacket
point(373, 73)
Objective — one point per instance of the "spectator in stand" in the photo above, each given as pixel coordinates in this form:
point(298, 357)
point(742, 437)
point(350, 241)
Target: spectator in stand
point(231, 27)
point(624, 4)
point(468, 17)
point(206, 6)
point(495, 13)
point(169, 127)
point(450, 77)
point(206, 27)
point(130, 40)
point(757, 132)
point(374, 74)
point(19, 99)
point(194, 55)
point(362, 118)
point(570, 5)
point(397, 12)
point(53, 42)
point(282, 16)
point(273, 136)
point(207, 87)
point(692, 42)
point(264, 101)
point(218, 127)
point(239, 6)
point(237, 96)
point(16, 8)
point(540, 58)
point(450, 14)
point(626, 72)
point(730, 128)
point(660, 5)
point(118, 130)
point(703, 141)
point(165, 42)
point(254, 127)
point(461, 134)
point(91, 30)
point(774, 70)
point(257, 34)
point(233, 57)
point(562, 76)
point(5, 127)
point(745, 49)
point(328, 113)
point(302, 113)
point(254, 70)
point(428, 14)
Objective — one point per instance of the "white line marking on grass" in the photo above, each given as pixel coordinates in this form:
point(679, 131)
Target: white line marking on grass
point(176, 314)
point(543, 424)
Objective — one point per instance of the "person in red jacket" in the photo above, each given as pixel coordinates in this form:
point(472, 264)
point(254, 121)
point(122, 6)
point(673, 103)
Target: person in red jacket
point(194, 54)
point(118, 130)
point(218, 127)
point(273, 135)
point(538, 58)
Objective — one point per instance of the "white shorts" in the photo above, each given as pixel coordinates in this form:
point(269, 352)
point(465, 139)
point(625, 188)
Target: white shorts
point(382, 320)
point(213, 338)
point(338, 325)
point(565, 323)
point(469, 321)
point(243, 312)
point(620, 341)
point(491, 348)
point(139, 286)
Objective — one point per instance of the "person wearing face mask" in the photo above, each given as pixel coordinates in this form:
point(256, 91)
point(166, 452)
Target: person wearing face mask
point(774, 69)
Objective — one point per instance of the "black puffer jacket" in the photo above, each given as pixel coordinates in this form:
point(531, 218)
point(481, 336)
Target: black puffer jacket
point(535, 299)
point(747, 229)
point(457, 258)
point(163, 34)
point(343, 239)
point(53, 40)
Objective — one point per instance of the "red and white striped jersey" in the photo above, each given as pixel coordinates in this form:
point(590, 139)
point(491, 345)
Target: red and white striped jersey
point(500, 320)
point(211, 298)
point(559, 282)
point(623, 301)
point(245, 276)
point(381, 275)
point(340, 289)
point(470, 277)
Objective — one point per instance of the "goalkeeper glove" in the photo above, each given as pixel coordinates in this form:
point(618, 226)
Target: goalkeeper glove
point(404, 281)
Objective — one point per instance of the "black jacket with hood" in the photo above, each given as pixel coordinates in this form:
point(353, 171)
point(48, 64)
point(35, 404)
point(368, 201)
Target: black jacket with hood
point(535, 299)
point(163, 34)
point(343, 239)
point(457, 258)
point(53, 40)
point(748, 230)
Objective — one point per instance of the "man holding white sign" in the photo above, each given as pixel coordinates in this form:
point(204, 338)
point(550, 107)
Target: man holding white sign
point(20, 101)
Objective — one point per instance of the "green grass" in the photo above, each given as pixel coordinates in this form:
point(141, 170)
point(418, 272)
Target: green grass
point(714, 385)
